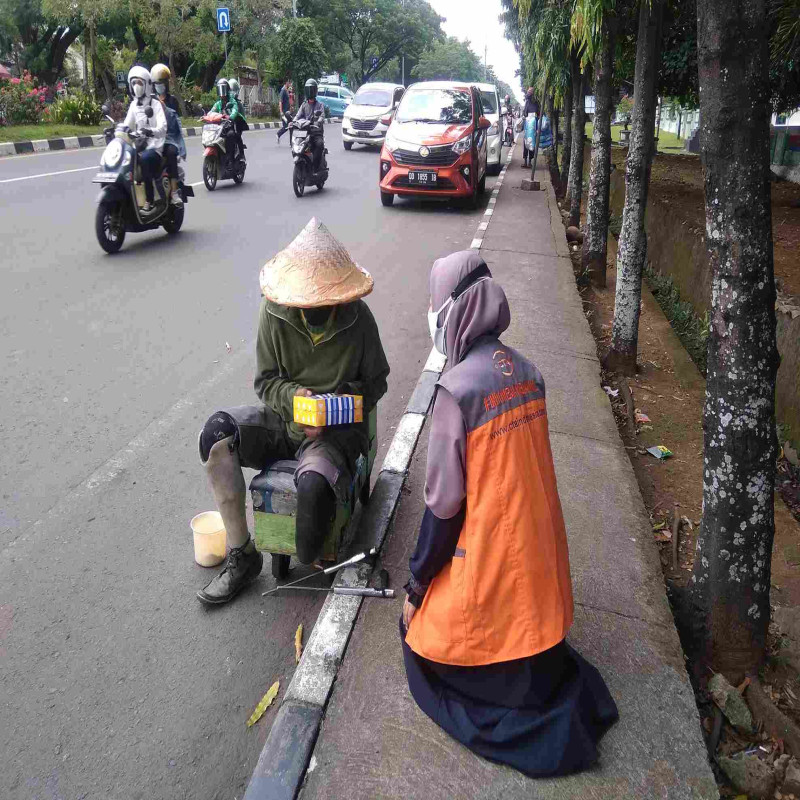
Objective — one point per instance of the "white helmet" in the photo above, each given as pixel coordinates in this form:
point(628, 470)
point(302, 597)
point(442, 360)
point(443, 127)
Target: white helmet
point(234, 85)
point(139, 76)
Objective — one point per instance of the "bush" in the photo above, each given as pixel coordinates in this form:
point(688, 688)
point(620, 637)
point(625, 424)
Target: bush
point(117, 109)
point(75, 109)
point(22, 101)
point(207, 99)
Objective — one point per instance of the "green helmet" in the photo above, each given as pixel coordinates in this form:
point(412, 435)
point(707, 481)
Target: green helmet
point(234, 85)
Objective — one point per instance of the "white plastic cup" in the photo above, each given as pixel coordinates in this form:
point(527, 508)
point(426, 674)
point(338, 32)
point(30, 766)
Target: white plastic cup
point(209, 539)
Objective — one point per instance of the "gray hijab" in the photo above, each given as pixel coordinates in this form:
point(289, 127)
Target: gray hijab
point(480, 311)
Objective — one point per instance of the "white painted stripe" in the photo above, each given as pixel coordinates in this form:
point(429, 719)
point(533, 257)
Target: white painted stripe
point(483, 226)
point(71, 143)
point(40, 145)
point(402, 447)
point(476, 244)
point(196, 183)
point(48, 174)
point(492, 201)
point(435, 362)
point(488, 212)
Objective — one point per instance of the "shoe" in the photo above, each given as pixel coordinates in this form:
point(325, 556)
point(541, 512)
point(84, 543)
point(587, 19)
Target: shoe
point(147, 207)
point(176, 201)
point(241, 568)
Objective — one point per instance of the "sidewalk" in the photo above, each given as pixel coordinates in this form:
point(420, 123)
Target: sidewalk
point(374, 742)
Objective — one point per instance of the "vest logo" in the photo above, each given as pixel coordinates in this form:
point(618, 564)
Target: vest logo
point(502, 361)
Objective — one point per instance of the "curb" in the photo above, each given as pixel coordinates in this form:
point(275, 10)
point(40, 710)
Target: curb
point(283, 761)
point(98, 140)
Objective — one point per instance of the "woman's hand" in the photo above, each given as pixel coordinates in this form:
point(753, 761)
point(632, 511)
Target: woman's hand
point(408, 613)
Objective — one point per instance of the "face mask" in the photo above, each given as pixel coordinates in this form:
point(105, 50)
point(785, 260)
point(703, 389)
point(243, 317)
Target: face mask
point(439, 335)
point(138, 89)
point(161, 88)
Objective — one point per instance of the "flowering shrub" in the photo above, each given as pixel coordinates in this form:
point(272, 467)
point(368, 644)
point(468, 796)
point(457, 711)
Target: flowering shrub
point(22, 101)
point(74, 109)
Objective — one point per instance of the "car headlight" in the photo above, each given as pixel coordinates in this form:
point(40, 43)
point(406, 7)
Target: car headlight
point(112, 154)
point(463, 144)
point(493, 130)
point(391, 142)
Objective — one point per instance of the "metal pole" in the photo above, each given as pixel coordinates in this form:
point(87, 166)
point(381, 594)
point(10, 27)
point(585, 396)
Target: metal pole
point(225, 39)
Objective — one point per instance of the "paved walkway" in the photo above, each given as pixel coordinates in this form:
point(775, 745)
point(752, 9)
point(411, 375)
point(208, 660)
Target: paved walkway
point(374, 741)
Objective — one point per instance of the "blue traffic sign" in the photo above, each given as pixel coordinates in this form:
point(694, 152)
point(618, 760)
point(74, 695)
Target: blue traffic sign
point(374, 62)
point(223, 20)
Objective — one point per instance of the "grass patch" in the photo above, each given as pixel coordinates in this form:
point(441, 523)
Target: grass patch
point(691, 329)
point(667, 142)
point(24, 133)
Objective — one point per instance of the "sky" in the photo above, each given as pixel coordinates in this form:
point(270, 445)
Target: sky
point(477, 21)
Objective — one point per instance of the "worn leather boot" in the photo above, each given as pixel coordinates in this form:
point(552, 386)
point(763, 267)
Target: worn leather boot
point(244, 561)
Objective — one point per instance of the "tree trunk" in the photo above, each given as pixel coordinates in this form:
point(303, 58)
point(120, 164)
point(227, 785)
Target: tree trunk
point(680, 119)
point(632, 251)
point(731, 581)
point(93, 57)
point(567, 149)
point(578, 135)
point(175, 86)
point(595, 246)
point(552, 112)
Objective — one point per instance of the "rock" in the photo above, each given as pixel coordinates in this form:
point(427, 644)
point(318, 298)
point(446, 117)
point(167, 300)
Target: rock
point(787, 618)
point(791, 782)
point(731, 703)
point(790, 453)
point(779, 767)
point(574, 234)
point(749, 774)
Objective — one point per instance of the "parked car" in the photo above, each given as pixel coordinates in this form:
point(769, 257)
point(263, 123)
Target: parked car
point(436, 144)
point(490, 98)
point(334, 98)
point(367, 118)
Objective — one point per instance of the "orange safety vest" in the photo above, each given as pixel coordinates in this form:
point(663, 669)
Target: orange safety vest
point(507, 592)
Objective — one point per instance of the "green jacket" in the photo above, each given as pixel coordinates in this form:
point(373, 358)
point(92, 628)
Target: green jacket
point(350, 358)
point(232, 107)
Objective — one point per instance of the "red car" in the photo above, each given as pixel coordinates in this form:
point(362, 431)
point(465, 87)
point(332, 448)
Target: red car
point(436, 144)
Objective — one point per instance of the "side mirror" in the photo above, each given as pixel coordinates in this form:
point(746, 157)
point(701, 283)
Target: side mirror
point(484, 124)
point(148, 112)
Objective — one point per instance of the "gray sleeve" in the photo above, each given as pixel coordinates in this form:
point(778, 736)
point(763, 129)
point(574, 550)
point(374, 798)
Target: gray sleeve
point(446, 484)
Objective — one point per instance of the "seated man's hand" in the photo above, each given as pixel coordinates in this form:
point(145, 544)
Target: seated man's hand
point(309, 430)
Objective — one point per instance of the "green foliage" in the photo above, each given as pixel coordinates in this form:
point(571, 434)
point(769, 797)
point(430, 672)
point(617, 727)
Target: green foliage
point(625, 107)
point(449, 59)
point(691, 329)
point(298, 52)
point(21, 100)
point(75, 109)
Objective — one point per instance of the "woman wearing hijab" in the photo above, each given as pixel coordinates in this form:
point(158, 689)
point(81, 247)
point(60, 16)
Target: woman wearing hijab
point(490, 598)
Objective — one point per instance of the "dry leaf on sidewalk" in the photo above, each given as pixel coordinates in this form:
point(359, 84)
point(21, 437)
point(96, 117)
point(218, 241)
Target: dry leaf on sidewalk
point(298, 643)
point(264, 704)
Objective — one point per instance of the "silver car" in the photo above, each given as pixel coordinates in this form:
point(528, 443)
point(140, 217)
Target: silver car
point(367, 118)
point(494, 136)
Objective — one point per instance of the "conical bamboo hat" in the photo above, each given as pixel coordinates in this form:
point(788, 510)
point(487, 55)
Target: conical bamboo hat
point(314, 270)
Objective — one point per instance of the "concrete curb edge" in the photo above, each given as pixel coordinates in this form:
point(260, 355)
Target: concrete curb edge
point(284, 758)
point(98, 140)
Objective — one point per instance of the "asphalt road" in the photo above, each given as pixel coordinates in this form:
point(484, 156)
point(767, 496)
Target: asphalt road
point(114, 681)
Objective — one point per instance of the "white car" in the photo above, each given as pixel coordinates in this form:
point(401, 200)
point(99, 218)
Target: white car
point(494, 136)
point(367, 118)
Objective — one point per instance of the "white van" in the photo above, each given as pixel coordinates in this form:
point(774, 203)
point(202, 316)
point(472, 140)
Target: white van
point(367, 118)
point(494, 136)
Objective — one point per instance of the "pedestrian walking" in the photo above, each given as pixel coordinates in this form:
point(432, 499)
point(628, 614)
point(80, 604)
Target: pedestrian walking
point(531, 107)
point(490, 595)
point(285, 108)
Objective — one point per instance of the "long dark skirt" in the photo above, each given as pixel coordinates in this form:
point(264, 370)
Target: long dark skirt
point(542, 715)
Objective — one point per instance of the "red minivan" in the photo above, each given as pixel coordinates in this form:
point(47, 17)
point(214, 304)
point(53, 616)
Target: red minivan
point(436, 144)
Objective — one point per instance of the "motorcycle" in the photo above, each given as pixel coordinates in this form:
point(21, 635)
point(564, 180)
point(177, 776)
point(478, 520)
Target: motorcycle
point(216, 129)
point(119, 204)
point(300, 133)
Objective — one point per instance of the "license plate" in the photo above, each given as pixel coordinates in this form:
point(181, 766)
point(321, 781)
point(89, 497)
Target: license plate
point(105, 177)
point(422, 177)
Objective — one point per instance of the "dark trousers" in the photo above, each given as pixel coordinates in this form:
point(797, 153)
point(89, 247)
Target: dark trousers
point(286, 118)
point(317, 146)
point(150, 164)
point(171, 154)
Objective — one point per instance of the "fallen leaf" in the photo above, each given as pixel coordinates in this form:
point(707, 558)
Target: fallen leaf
point(659, 526)
point(264, 704)
point(743, 685)
point(298, 643)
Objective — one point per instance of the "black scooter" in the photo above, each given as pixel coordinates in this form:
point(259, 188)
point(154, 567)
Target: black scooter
point(119, 202)
point(301, 132)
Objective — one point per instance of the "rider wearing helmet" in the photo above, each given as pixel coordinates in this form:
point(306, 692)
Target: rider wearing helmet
point(308, 110)
point(174, 145)
point(239, 121)
point(146, 115)
point(228, 104)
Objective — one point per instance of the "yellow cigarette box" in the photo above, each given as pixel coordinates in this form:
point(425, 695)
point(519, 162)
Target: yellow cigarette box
point(323, 410)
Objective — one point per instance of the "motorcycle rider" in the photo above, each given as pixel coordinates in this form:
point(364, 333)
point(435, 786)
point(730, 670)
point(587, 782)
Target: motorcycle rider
point(310, 108)
point(230, 106)
point(239, 122)
point(174, 146)
point(154, 127)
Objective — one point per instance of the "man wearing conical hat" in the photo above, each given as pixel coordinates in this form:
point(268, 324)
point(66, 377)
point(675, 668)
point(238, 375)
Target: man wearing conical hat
point(315, 335)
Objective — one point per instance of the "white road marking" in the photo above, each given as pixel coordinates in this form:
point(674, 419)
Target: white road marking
point(483, 226)
point(49, 174)
point(488, 212)
point(476, 244)
point(196, 183)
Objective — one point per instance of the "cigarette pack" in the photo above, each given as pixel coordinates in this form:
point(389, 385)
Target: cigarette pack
point(322, 410)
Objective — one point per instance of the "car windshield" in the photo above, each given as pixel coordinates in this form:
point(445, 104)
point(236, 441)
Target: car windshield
point(449, 106)
point(373, 97)
point(489, 102)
